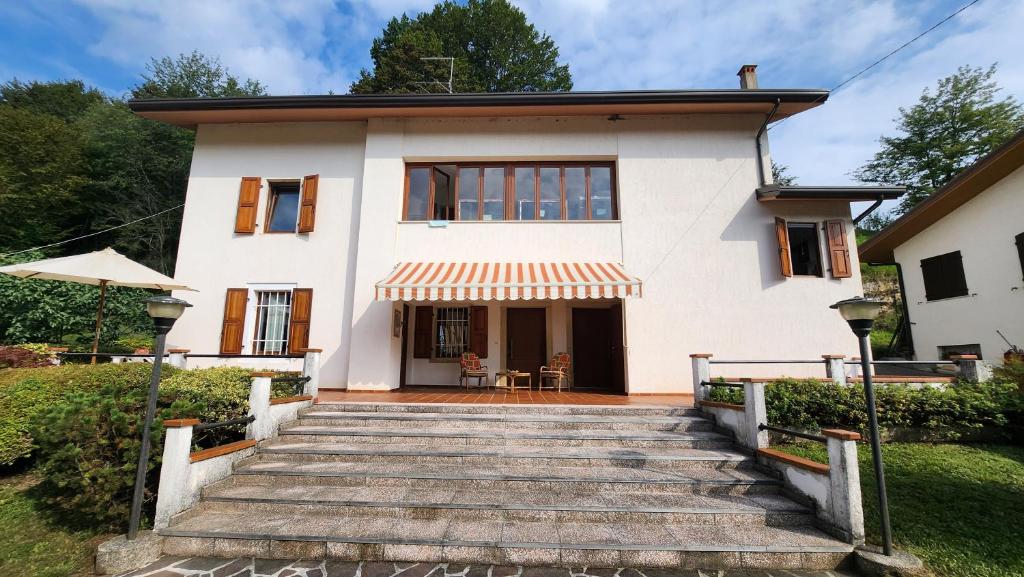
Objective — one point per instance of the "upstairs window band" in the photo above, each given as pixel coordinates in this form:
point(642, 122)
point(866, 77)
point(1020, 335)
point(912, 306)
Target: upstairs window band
point(556, 191)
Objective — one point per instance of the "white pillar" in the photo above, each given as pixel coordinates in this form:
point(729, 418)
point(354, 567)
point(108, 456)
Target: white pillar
point(846, 510)
point(755, 414)
point(701, 374)
point(259, 406)
point(835, 368)
point(971, 369)
point(177, 359)
point(171, 494)
point(311, 369)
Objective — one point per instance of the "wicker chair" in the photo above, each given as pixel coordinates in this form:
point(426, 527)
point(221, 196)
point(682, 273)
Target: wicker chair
point(558, 370)
point(472, 369)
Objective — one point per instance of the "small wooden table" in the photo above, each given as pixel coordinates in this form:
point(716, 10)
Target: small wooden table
point(510, 379)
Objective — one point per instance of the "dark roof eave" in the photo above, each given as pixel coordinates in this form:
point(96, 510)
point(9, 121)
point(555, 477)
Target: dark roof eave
point(774, 192)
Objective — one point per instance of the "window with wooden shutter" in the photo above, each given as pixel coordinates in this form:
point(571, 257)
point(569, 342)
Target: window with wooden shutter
point(307, 208)
point(248, 201)
point(838, 249)
point(478, 331)
point(423, 336)
point(1019, 239)
point(944, 276)
point(782, 236)
point(298, 323)
point(233, 327)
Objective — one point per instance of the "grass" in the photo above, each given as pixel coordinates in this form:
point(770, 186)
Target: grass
point(957, 507)
point(33, 546)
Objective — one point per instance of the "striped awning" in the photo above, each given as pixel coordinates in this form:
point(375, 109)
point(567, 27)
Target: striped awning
point(482, 281)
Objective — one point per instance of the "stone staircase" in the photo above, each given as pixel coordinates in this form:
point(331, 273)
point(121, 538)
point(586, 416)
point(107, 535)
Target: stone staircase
point(504, 485)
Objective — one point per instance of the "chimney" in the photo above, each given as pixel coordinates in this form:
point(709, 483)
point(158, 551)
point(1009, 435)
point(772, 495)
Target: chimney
point(748, 76)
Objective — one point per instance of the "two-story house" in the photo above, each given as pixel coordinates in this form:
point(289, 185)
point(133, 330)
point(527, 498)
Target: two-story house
point(396, 232)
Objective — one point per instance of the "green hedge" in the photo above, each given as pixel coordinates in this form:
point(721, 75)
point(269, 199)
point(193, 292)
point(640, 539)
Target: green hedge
point(947, 412)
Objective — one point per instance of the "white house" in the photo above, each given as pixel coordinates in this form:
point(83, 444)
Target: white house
point(961, 256)
point(395, 232)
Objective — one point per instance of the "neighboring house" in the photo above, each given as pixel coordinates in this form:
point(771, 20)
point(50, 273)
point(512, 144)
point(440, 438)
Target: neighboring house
point(395, 232)
point(961, 256)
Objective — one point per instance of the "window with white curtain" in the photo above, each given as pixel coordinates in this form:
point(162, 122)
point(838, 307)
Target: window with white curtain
point(273, 310)
point(451, 332)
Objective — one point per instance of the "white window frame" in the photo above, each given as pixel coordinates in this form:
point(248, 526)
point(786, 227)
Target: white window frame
point(250, 310)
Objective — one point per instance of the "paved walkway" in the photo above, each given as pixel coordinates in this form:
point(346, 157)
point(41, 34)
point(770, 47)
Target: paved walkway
point(446, 395)
point(248, 567)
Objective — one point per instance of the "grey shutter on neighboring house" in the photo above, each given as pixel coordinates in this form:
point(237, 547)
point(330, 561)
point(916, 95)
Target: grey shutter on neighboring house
point(1020, 251)
point(944, 276)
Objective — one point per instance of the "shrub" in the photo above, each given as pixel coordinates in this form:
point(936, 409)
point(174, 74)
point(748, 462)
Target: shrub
point(221, 393)
point(39, 348)
point(20, 357)
point(132, 343)
point(1012, 371)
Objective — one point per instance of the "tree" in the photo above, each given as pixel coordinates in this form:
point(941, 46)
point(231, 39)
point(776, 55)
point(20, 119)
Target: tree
point(494, 46)
point(944, 133)
point(65, 99)
point(193, 75)
point(781, 175)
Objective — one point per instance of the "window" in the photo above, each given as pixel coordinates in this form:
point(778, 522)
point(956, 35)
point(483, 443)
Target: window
point(944, 276)
point(805, 251)
point(945, 352)
point(273, 309)
point(514, 191)
point(451, 332)
point(1019, 239)
point(282, 214)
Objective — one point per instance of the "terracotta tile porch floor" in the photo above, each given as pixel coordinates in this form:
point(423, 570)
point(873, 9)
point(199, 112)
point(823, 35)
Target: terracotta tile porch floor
point(453, 395)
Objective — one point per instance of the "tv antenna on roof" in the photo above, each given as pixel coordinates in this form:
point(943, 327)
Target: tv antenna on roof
point(425, 86)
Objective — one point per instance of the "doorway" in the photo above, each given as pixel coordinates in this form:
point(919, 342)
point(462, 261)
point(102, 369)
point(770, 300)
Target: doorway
point(527, 341)
point(598, 359)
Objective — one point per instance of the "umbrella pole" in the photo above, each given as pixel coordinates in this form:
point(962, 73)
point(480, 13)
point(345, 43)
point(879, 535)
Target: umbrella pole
point(99, 320)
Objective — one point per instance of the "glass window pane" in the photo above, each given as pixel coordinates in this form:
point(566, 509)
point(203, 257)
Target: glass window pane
point(285, 207)
point(526, 193)
point(600, 193)
point(550, 193)
point(494, 193)
point(444, 193)
point(469, 188)
point(419, 190)
point(576, 192)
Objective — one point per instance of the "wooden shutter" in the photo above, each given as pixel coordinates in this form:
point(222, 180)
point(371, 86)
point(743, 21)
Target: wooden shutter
point(782, 235)
point(1019, 239)
point(307, 206)
point(838, 249)
point(478, 331)
point(931, 272)
point(953, 272)
point(233, 328)
point(248, 202)
point(423, 341)
point(298, 323)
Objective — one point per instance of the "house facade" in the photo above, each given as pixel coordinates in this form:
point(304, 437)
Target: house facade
point(628, 229)
point(961, 257)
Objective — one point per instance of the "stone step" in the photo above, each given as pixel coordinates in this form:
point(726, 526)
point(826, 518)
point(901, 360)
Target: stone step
point(485, 436)
point(507, 456)
point(316, 536)
point(280, 473)
point(401, 503)
point(513, 409)
point(318, 416)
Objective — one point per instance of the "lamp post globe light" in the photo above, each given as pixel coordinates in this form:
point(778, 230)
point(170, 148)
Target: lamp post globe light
point(164, 310)
point(860, 313)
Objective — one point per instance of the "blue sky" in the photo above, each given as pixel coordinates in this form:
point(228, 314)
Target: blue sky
point(314, 46)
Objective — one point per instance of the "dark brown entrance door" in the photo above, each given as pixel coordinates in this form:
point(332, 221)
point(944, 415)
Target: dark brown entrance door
point(405, 345)
point(597, 349)
point(527, 341)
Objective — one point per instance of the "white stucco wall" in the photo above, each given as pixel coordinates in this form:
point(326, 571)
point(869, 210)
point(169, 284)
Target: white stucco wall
point(983, 230)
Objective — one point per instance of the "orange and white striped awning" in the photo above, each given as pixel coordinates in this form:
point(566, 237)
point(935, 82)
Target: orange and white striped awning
point(483, 281)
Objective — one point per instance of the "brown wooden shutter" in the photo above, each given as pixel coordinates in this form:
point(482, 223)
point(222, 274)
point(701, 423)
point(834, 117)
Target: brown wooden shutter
point(298, 323)
point(234, 321)
point(478, 331)
point(248, 202)
point(423, 341)
point(307, 207)
point(782, 235)
point(838, 249)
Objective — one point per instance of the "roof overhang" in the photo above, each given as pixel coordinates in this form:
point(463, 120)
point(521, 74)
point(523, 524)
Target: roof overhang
point(971, 182)
point(189, 112)
point(776, 192)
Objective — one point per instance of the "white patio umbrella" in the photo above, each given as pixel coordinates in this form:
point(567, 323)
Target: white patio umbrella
point(103, 267)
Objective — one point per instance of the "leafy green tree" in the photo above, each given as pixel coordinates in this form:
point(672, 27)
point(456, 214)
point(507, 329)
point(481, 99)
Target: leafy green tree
point(65, 99)
point(494, 46)
point(944, 133)
point(193, 75)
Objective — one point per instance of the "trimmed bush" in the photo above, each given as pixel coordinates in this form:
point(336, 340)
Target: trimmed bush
point(220, 393)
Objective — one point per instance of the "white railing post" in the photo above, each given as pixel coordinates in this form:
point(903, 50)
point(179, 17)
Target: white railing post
point(174, 470)
point(755, 414)
point(262, 426)
point(177, 358)
point(835, 368)
point(701, 374)
point(311, 369)
point(971, 369)
point(846, 510)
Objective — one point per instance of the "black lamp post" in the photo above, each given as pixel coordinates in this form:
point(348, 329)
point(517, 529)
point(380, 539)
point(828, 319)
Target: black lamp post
point(860, 313)
point(164, 310)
